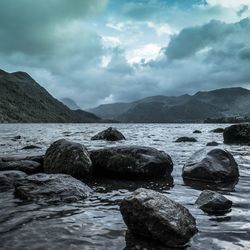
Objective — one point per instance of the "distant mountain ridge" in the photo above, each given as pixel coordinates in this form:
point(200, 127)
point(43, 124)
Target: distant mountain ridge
point(71, 104)
point(226, 102)
point(22, 99)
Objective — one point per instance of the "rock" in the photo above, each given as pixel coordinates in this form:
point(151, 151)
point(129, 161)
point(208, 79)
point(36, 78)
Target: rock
point(8, 178)
point(218, 130)
point(186, 139)
point(213, 202)
point(31, 147)
point(238, 133)
point(212, 144)
point(110, 134)
point(215, 165)
point(132, 162)
point(153, 216)
point(29, 167)
point(197, 132)
point(37, 158)
point(68, 158)
point(51, 188)
point(18, 137)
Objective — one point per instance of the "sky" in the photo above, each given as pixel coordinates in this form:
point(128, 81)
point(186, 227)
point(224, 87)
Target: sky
point(105, 51)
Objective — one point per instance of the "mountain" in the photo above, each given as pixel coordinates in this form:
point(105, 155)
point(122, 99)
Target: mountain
point(226, 102)
point(22, 99)
point(70, 103)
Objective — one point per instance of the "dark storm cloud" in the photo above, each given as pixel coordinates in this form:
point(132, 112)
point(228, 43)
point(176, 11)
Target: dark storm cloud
point(191, 40)
point(60, 43)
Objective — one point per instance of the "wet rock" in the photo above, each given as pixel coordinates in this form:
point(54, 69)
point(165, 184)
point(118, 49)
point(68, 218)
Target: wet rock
point(212, 144)
point(29, 167)
point(218, 130)
point(68, 158)
point(31, 147)
point(213, 202)
point(132, 162)
point(153, 216)
point(51, 188)
point(8, 178)
point(15, 138)
point(186, 139)
point(110, 134)
point(238, 133)
point(197, 132)
point(215, 165)
point(36, 158)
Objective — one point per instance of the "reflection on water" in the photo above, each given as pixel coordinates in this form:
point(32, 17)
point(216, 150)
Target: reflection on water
point(96, 223)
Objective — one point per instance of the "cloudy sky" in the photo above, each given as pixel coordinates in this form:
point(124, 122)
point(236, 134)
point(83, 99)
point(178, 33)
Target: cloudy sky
point(103, 51)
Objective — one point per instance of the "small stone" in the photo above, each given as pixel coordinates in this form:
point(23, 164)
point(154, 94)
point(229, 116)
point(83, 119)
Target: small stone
point(110, 134)
point(186, 139)
point(213, 202)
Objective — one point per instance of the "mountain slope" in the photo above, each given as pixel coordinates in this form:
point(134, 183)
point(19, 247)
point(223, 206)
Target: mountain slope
point(227, 102)
point(22, 99)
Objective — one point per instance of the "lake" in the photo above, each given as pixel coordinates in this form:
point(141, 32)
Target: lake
point(96, 222)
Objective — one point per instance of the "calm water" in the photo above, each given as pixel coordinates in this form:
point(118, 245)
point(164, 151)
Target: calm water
point(96, 223)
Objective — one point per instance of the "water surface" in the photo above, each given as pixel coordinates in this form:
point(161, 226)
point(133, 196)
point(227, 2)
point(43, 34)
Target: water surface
point(96, 222)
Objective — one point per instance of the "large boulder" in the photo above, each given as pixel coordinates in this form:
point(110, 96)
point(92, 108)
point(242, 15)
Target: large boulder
point(68, 158)
point(238, 133)
point(213, 202)
point(8, 178)
point(153, 216)
point(215, 165)
point(131, 162)
point(51, 188)
point(110, 134)
point(27, 166)
point(186, 139)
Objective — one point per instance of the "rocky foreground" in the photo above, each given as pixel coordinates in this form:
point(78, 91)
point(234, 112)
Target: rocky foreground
point(60, 175)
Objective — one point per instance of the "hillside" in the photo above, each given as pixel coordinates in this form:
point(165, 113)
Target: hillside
point(22, 99)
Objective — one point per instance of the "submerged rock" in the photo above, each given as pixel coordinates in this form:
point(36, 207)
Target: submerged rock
point(36, 158)
point(15, 138)
point(215, 165)
point(131, 162)
point(197, 132)
point(212, 144)
point(51, 188)
point(68, 158)
point(8, 178)
point(29, 167)
point(110, 134)
point(238, 133)
point(186, 139)
point(213, 202)
point(153, 216)
point(218, 130)
point(31, 147)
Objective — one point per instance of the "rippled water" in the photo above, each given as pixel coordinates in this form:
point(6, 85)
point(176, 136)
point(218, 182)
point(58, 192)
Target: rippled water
point(96, 223)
